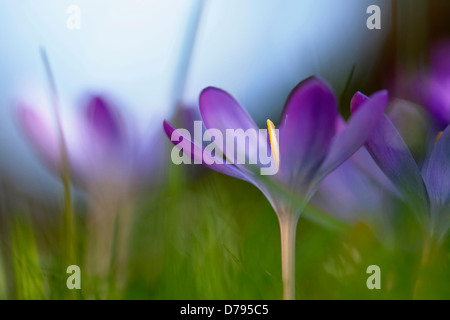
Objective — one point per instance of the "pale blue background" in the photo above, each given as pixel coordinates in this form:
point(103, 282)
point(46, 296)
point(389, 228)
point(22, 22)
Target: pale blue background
point(255, 49)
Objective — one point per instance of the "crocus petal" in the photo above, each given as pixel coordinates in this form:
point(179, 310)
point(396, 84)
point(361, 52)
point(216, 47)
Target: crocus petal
point(102, 121)
point(357, 131)
point(391, 154)
point(44, 141)
point(189, 115)
point(363, 161)
point(197, 154)
point(440, 60)
point(219, 110)
point(437, 100)
point(433, 89)
point(222, 167)
point(349, 193)
point(306, 130)
point(436, 173)
point(149, 156)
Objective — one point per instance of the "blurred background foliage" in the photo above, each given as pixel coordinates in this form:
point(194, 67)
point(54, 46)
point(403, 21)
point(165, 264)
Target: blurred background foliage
point(216, 237)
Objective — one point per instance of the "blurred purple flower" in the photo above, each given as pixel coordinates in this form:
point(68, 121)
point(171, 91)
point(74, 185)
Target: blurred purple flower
point(427, 192)
point(434, 88)
point(309, 149)
point(356, 191)
point(103, 152)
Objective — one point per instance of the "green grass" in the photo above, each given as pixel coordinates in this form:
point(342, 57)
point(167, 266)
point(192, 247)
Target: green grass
point(203, 235)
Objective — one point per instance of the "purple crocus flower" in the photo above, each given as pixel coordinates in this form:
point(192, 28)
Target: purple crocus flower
point(103, 152)
point(355, 191)
point(309, 149)
point(434, 88)
point(109, 160)
point(427, 191)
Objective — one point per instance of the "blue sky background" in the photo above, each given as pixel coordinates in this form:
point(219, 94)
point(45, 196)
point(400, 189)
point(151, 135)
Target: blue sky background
point(257, 50)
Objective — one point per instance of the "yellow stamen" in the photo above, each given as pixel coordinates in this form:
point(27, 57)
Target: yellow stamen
point(437, 138)
point(274, 143)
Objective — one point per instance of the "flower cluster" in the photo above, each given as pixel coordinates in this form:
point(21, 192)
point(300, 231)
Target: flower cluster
point(354, 169)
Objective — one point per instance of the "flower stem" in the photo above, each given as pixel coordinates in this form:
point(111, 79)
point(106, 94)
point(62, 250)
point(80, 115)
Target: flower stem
point(69, 242)
point(68, 223)
point(429, 252)
point(288, 228)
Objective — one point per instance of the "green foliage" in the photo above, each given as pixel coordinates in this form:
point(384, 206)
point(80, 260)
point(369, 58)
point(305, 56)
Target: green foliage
point(208, 236)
